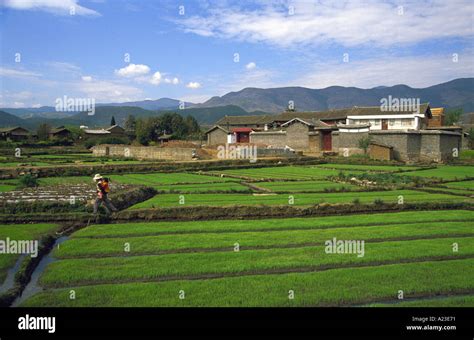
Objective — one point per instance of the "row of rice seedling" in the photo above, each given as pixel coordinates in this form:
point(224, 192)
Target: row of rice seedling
point(322, 222)
point(204, 187)
point(283, 172)
point(338, 287)
point(127, 246)
point(306, 186)
point(466, 185)
point(450, 301)
point(301, 199)
point(444, 172)
point(73, 272)
point(382, 168)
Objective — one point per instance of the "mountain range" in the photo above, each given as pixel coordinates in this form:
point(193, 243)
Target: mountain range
point(458, 93)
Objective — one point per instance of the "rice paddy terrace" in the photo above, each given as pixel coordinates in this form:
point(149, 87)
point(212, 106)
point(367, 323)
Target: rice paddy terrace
point(426, 252)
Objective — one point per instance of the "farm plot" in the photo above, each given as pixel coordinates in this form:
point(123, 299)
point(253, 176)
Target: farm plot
point(306, 186)
point(375, 168)
point(20, 232)
point(225, 241)
point(380, 219)
point(76, 272)
point(158, 179)
point(303, 199)
point(412, 251)
point(338, 287)
point(444, 172)
point(452, 191)
point(284, 172)
point(451, 301)
point(465, 185)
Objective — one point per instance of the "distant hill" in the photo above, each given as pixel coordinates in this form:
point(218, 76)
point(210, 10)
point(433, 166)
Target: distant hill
point(455, 93)
point(158, 104)
point(458, 93)
point(9, 120)
point(50, 111)
point(209, 115)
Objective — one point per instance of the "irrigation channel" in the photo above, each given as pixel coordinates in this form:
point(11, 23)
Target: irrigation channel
point(32, 287)
point(10, 279)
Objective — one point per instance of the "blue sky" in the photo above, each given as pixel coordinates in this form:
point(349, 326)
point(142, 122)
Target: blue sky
point(193, 50)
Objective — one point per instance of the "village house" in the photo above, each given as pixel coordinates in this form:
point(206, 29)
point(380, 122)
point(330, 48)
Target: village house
point(14, 134)
point(113, 131)
point(406, 135)
point(236, 129)
point(59, 132)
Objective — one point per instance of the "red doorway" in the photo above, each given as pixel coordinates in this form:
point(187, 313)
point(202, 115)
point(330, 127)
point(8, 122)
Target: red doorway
point(327, 141)
point(242, 135)
point(384, 124)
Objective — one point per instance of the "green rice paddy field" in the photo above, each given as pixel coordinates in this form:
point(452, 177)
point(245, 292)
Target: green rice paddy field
point(427, 254)
point(257, 263)
point(303, 199)
point(20, 232)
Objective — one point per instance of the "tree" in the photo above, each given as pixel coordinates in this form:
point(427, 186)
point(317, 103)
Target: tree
point(130, 123)
point(112, 121)
point(470, 138)
point(43, 131)
point(453, 116)
point(144, 131)
point(364, 143)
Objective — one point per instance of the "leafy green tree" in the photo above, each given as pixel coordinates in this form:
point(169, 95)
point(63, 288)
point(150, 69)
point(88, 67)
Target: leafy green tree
point(364, 143)
point(43, 131)
point(470, 138)
point(453, 116)
point(112, 121)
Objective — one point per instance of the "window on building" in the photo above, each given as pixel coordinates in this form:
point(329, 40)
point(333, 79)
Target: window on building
point(391, 122)
point(377, 122)
point(406, 122)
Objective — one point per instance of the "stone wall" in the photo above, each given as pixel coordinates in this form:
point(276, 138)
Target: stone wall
point(216, 137)
point(143, 152)
point(422, 145)
point(297, 136)
point(347, 143)
point(408, 146)
point(276, 139)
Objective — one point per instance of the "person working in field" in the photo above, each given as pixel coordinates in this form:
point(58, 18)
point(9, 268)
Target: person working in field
point(102, 194)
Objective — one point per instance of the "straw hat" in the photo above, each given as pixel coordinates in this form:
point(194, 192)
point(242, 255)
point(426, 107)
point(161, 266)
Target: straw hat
point(97, 177)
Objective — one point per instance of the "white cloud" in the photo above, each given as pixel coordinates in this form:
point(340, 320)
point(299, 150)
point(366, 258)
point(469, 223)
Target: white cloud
point(133, 70)
point(14, 73)
point(59, 7)
point(86, 78)
point(174, 81)
point(348, 23)
point(106, 91)
point(156, 78)
point(198, 98)
point(193, 85)
point(250, 66)
point(415, 71)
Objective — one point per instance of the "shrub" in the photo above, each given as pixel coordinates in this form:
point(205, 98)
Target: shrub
point(378, 201)
point(356, 201)
point(364, 144)
point(28, 181)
